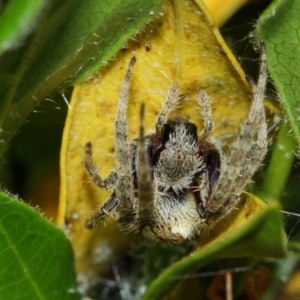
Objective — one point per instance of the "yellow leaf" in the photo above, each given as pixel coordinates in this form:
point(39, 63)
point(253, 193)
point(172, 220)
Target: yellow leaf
point(182, 45)
point(249, 207)
point(291, 289)
point(222, 10)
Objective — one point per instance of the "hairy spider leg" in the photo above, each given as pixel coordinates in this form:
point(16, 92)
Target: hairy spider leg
point(104, 212)
point(144, 174)
point(258, 150)
point(205, 112)
point(124, 188)
point(109, 182)
point(246, 152)
point(123, 180)
point(171, 103)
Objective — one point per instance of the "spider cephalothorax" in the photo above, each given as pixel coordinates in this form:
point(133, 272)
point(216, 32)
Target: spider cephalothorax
point(170, 182)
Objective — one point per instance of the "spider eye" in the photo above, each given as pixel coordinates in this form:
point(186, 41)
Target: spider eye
point(167, 129)
point(191, 129)
point(170, 128)
point(213, 166)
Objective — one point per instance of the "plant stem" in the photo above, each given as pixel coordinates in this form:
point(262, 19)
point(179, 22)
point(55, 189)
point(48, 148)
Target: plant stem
point(281, 163)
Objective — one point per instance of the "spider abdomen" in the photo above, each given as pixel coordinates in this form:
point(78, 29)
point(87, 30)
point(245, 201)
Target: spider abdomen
point(175, 217)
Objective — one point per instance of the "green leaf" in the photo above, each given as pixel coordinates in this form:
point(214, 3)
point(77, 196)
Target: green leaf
point(36, 258)
point(74, 39)
point(262, 237)
point(279, 28)
point(16, 21)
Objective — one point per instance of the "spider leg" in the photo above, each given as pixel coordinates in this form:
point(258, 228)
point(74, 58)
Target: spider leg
point(173, 99)
point(258, 150)
point(247, 151)
point(104, 212)
point(124, 188)
point(205, 112)
point(253, 159)
point(109, 182)
point(145, 181)
point(213, 158)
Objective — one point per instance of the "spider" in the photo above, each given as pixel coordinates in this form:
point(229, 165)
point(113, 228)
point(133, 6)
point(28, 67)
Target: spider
point(173, 183)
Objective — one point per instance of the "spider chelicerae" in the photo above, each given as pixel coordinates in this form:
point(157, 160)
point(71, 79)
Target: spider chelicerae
point(172, 183)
